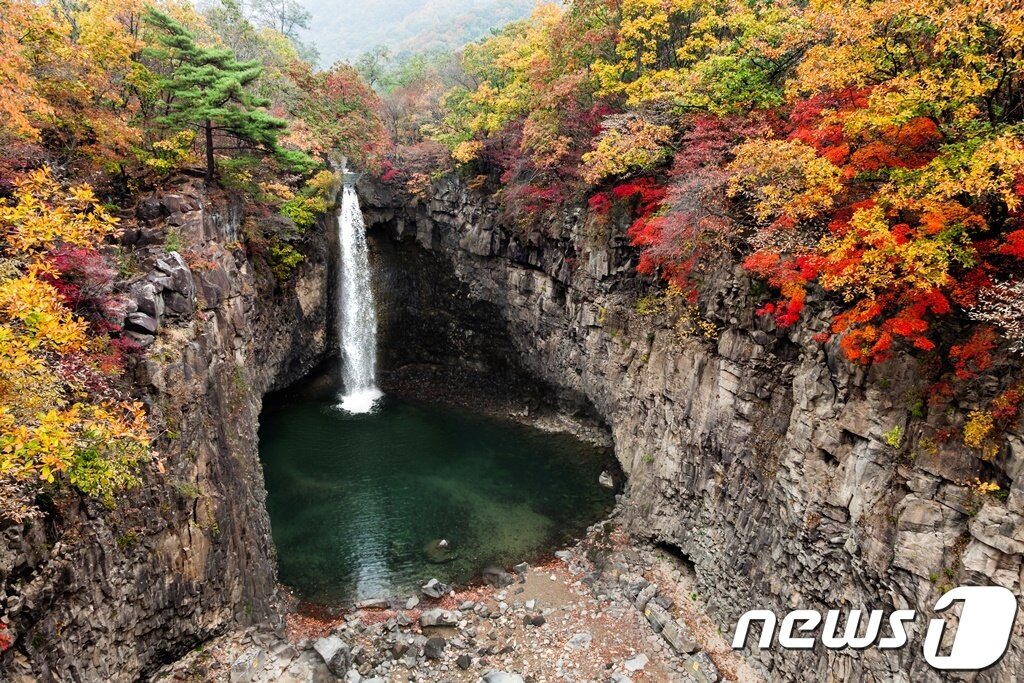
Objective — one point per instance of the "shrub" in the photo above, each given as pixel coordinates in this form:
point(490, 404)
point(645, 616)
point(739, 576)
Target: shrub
point(284, 258)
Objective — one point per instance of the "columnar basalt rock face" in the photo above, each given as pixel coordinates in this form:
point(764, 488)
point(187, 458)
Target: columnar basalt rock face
point(108, 595)
point(759, 455)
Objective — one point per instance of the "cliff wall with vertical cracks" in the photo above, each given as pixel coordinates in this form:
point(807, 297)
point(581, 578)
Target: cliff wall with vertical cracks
point(108, 595)
point(756, 455)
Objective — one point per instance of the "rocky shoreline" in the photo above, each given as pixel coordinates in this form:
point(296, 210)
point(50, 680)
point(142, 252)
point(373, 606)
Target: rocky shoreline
point(601, 611)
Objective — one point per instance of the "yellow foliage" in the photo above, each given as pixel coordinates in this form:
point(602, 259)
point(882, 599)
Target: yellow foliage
point(468, 151)
point(869, 256)
point(978, 428)
point(982, 488)
point(53, 426)
point(637, 146)
point(43, 214)
point(784, 179)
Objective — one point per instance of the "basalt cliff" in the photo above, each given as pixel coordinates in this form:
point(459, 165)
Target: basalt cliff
point(783, 476)
point(97, 594)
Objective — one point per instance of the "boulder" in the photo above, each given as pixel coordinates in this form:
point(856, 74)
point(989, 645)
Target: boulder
point(438, 617)
point(245, 668)
point(657, 615)
point(435, 589)
point(497, 577)
point(336, 654)
point(141, 322)
point(644, 596)
point(374, 603)
point(148, 300)
point(177, 279)
point(678, 636)
point(700, 667)
point(434, 648)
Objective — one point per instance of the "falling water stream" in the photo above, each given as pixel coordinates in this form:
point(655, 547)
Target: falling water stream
point(357, 317)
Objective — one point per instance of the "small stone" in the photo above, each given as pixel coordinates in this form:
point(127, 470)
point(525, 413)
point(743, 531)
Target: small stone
point(412, 602)
point(434, 589)
point(438, 617)
point(434, 648)
point(581, 641)
point(502, 677)
point(636, 663)
point(464, 661)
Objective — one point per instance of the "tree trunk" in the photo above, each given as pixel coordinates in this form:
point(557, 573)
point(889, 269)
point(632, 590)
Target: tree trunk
point(209, 152)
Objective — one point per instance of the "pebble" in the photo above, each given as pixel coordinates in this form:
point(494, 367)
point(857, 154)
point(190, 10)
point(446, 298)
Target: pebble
point(636, 663)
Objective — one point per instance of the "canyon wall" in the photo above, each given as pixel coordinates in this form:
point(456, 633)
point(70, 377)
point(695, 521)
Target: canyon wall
point(97, 594)
point(785, 477)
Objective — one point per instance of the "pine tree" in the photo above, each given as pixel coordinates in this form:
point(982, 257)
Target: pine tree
point(207, 90)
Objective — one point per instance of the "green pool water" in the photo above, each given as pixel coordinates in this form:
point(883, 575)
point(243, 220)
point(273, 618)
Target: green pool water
point(358, 502)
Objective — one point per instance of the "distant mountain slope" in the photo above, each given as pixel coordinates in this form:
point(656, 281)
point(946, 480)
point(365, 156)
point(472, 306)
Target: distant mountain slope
point(344, 30)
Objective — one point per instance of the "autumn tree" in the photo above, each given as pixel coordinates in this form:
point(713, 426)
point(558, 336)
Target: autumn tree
point(334, 110)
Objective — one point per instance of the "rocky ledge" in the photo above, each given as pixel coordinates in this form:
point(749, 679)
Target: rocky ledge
point(602, 611)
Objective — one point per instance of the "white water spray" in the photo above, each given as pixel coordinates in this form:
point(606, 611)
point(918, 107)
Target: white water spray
point(357, 317)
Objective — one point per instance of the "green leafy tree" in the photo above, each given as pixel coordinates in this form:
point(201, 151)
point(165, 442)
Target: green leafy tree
point(208, 89)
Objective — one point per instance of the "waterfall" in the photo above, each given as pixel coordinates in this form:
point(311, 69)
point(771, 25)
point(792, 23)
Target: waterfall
point(357, 317)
